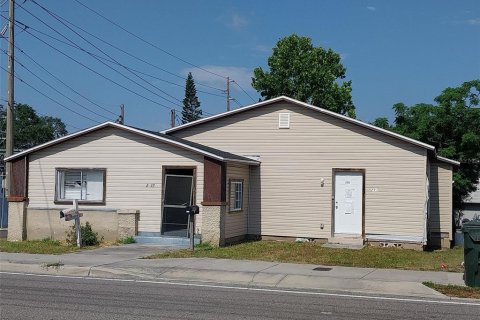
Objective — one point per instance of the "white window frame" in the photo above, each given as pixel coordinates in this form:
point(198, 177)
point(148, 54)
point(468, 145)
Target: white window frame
point(60, 172)
point(236, 195)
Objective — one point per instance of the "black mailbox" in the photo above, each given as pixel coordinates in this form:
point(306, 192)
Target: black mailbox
point(191, 210)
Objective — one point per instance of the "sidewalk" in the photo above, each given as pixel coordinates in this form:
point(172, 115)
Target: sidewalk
point(125, 262)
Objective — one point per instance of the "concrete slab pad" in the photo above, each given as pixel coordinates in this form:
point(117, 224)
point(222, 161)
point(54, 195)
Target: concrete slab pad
point(308, 269)
point(344, 246)
point(210, 275)
point(43, 269)
point(416, 276)
point(363, 286)
point(230, 265)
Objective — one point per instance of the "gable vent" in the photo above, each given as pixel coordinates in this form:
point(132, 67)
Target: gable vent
point(284, 121)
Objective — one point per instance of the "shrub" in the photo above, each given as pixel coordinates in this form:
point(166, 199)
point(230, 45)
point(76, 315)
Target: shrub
point(88, 236)
point(127, 240)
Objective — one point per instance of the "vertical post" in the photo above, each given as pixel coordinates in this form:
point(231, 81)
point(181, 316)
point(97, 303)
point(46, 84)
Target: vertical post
point(122, 114)
point(10, 95)
point(172, 118)
point(228, 93)
point(78, 230)
point(191, 226)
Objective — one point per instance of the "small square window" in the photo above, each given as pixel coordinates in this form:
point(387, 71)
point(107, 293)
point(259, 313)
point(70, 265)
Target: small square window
point(236, 196)
point(85, 185)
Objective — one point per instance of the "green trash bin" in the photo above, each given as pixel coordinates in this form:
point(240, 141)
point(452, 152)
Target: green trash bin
point(471, 233)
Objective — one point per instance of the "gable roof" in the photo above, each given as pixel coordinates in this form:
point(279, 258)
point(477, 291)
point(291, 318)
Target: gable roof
point(317, 109)
point(181, 143)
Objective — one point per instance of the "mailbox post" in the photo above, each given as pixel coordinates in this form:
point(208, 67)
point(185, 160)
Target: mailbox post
point(71, 214)
point(192, 211)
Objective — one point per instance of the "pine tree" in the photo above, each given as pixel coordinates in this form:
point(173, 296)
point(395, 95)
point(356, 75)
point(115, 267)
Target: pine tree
point(191, 106)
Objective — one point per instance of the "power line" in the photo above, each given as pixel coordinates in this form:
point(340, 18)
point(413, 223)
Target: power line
point(111, 61)
point(48, 97)
point(243, 90)
point(62, 82)
point(60, 93)
point(99, 74)
point(115, 61)
point(53, 88)
point(148, 42)
point(45, 115)
point(132, 55)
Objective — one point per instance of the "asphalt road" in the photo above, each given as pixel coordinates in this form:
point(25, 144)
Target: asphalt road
point(47, 297)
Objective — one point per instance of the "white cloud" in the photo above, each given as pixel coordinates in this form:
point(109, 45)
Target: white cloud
point(371, 8)
point(237, 22)
point(243, 76)
point(473, 22)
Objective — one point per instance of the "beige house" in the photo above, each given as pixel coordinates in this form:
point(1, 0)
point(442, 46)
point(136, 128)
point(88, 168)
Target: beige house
point(276, 169)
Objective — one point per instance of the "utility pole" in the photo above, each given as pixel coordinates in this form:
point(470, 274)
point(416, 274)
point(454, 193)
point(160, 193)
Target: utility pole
point(10, 96)
point(172, 118)
point(122, 114)
point(228, 93)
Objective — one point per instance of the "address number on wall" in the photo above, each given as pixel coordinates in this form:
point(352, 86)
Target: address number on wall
point(372, 189)
point(153, 185)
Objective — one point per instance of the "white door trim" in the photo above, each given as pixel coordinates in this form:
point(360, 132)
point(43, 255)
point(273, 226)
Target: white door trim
point(362, 172)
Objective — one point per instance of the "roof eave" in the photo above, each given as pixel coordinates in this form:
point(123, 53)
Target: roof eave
point(450, 161)
point(116, 125)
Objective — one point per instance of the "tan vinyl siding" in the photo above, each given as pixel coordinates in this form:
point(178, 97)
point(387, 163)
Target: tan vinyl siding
point(131, 162)
point(287, 198)
point(440, 216)
point(236, 221)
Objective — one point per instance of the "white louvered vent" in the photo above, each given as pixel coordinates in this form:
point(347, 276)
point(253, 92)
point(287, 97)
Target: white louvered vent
point(284, 121)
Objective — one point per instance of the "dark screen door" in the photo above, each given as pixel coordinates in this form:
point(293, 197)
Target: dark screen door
point(176, 197)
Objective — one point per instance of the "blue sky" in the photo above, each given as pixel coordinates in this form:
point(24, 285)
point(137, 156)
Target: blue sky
point(394, 51)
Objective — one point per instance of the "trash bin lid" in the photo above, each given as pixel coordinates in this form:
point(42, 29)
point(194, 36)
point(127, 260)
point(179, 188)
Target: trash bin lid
point(471, 226)
point(475, 237)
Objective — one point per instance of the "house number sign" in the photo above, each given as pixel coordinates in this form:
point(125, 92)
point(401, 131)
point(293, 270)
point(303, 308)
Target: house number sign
point(153, 185)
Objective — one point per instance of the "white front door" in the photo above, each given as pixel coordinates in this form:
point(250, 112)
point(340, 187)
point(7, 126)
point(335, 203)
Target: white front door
point(348, 202)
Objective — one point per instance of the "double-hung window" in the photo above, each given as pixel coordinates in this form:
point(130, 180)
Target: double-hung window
point(85, 185)
point(236, 189)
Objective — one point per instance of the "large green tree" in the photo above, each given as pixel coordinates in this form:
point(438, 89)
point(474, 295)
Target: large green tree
point(191, 106)
point(452, 125)
point(307, 73)
point(31, 129)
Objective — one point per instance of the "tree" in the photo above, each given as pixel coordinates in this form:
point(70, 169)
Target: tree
point(191, 106)
point(306, 73)
point(382, 123)
point(453, 127)
point(30, 129)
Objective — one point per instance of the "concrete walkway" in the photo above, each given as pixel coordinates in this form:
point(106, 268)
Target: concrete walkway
point(125, 262)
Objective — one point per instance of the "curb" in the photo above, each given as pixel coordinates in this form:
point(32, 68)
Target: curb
point(248, 279)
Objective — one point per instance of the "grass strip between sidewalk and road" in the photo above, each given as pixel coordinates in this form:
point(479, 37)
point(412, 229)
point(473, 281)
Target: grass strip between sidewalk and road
point(294, 252)
point(45, 246)
point(455, 291)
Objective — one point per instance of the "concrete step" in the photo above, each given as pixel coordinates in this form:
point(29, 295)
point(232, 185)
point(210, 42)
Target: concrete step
point(174, 241)
point(347, 240)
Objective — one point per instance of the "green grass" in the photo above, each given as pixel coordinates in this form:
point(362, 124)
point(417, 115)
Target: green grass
point(127, 240)
point(45, 246)
point(369, 257)
point(455, 291)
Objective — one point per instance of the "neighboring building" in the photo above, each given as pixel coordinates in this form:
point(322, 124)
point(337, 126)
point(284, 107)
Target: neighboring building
point(276, 169)
point(472, 205)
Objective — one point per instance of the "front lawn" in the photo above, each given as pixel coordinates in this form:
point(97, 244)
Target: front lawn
point(368, 257)
point(46, 246)
point(455, 291)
